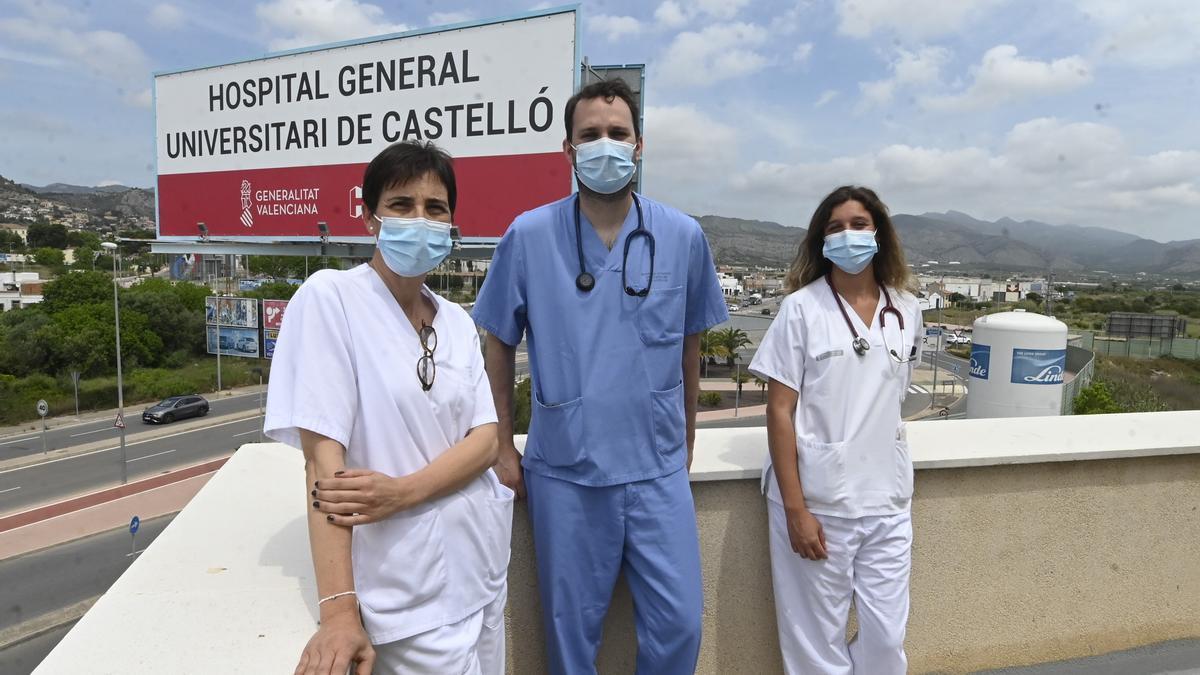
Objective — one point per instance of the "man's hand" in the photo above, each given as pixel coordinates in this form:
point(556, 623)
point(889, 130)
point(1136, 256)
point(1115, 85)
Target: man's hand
point(508, 469)
point(358, 496)
point(339, 642)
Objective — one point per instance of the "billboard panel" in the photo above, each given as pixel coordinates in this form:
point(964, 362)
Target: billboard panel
point(234, 341)
point(266, 149)
point(273, 313)
point(269, 339)
point(226, 311)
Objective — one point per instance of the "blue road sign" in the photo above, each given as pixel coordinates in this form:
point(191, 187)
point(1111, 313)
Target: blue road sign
point(134, 524)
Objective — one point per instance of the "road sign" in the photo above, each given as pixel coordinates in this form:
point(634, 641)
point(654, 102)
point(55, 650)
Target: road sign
point(134, 525)
point(120, 423)
point(43, 408)
point(933, 331)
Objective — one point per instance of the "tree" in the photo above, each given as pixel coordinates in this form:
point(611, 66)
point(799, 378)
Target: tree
point(11, 242)
point(83, 338)
point(1095, 399)
point(277, 266)
point(84, 288)
point(1179, 287)
point(83, 238)
point(1035, 298)
point(46, 235)
point(179, 325)
point(731, 340)
point(48, 257)
point(762, 388)
point(273, 290)
point(709, 349)
point(956, 298)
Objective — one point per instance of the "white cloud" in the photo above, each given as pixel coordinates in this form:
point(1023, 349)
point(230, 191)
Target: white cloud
point(167, 17)
point(670, 14)
point(918, 69)
point(825, 97)
point(108, 182)
point(614, 28)
point(304, 23)
point(139, 99)
point(720, 9)
point(803, 51)
point(1147, 33)
point(1003, 77)
point(446, 18)
point(1044, 168)
point(913, 19)
point(61, 42)
point(719, 52)
point(687, 152)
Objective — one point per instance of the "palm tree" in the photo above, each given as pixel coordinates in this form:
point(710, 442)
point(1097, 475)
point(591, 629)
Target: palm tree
point(730, 341)
point(710, 349)
point(762, 388)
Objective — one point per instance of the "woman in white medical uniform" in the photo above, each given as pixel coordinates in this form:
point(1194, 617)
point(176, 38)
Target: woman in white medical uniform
point(381, 383)
point(838, 359)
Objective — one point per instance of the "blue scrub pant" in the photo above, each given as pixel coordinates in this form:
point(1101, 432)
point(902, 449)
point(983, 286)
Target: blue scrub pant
point(584, 536)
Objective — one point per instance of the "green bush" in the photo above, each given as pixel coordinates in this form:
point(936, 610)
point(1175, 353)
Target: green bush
point(1096, 399)
point(523, 400)
point(710, 398)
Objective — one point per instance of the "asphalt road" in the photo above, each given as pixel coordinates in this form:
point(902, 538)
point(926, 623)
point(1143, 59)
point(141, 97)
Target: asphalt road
point(22, 658)
point(61, 478)
point(46, 581)
point(24, 444)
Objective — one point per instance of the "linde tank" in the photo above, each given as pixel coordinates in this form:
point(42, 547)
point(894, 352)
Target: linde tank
point(1018, 365)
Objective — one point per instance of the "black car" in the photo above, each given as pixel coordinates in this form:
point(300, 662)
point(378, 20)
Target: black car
point(175, 408)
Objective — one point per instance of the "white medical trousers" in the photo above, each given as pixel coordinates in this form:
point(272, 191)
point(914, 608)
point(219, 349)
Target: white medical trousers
point(869, 558)
point(473, 646)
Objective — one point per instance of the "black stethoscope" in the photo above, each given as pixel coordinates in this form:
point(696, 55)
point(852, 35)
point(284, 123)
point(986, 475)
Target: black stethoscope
point(860, 344)
point(586, 282)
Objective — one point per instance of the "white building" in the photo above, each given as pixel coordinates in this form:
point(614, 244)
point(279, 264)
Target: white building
point(19, 289)
point(730, 285)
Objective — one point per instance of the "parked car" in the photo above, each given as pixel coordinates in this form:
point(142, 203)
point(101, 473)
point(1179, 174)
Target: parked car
point(247, 344)
point(734, 308)
point(175, 408)
point(766, 311)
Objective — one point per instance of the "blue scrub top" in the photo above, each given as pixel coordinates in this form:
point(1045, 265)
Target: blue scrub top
point(608, 403)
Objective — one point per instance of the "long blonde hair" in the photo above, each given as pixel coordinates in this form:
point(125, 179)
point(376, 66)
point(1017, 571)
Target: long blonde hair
point(810, 264)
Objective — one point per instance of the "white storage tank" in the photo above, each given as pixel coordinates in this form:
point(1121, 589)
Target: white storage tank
point(1018, 365)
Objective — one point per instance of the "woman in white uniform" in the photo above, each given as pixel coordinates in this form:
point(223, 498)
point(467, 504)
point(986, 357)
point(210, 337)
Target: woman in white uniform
point(838, 359)
point(381, 383)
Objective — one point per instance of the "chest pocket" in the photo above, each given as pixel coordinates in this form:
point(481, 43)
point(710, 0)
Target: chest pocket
point(660, 316)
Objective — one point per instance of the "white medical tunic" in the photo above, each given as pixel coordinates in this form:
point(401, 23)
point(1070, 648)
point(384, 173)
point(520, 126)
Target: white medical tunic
point(851, 444)
point(345, 368)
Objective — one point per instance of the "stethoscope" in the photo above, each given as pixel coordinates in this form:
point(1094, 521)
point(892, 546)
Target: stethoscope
point(586, 282)
point(860, 344)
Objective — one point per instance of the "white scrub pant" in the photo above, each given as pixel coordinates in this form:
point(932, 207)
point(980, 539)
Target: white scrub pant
point(473, 646)
point(870, 558)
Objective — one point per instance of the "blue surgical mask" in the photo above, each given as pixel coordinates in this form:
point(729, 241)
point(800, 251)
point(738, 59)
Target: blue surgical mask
point(851, 250)
point(604, 165)
point(413, 246)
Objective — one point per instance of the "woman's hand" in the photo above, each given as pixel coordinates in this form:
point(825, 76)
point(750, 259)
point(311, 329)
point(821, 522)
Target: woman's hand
point(358, 496)
point(806, 534)
point(339, 642)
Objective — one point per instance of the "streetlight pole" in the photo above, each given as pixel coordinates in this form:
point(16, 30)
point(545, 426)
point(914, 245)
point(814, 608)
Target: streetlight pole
point(120, 381)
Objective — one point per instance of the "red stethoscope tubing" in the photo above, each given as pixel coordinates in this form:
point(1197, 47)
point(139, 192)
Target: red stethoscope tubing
point(888, 307)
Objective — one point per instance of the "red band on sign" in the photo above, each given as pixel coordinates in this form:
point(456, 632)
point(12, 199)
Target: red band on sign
point(289, 202)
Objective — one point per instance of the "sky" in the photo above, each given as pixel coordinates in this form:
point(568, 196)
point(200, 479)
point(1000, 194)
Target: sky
point(1063, 111)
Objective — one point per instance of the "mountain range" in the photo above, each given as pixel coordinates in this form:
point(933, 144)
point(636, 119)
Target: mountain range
point(1004, 245)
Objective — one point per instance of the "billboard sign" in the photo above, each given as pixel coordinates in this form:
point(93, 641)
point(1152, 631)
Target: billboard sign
point(269, 339)
point(1038, 366)
point(273, 313)
point(234, 341)
point(264, 150)
point(226, 311)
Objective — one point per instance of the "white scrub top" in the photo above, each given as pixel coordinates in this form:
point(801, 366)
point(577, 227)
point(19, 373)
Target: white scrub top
point(345, 368)
point(853, 451)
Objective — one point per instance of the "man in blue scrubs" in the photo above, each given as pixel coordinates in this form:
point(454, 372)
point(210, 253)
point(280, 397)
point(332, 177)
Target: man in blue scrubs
point(612, 317)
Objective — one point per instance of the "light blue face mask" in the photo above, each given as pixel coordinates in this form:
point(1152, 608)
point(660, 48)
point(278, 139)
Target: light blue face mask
point(851, 250)
point(413, 246)
point(604, 165)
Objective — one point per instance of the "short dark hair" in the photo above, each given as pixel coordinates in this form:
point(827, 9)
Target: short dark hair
point(400, 163)
point(608, 90)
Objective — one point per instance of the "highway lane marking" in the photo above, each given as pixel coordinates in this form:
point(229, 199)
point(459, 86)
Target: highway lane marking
point(252, 431)
point(10, 489)
point(96, 431)
point(165, 452)
point(117, 447)
point(19, 440)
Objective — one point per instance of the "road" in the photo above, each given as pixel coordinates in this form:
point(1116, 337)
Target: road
point(61, 478)
point(59, 577)
point(24, 444)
